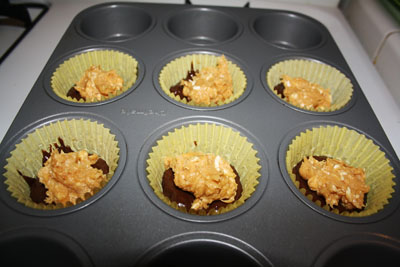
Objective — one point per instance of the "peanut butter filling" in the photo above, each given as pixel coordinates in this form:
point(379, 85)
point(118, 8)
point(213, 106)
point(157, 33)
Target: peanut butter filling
point(335, 181)
point(96, 83)
point(207, 176)
point(304, 94)
point(69, 176)
point(210, 84)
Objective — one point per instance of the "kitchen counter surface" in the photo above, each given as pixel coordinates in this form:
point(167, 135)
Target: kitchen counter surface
point(20, 70)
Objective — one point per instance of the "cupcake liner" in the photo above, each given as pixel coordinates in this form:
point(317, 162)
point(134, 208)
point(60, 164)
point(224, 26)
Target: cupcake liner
point(72, 70)
point(315, 72)
point(177, 70)
point(206, 138)
point(355, 150)
point(78, 134)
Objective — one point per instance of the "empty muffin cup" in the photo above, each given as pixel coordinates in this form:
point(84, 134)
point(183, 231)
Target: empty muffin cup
point(203, 26)
point(178, 69)
point(25, 246)
point(361, 250)
point(328, 77)
point(206, 138)
point(354, 149)
point(72, 70)
point(79, 134)
point(181, 250)
point(289, 30)
point(114, 22)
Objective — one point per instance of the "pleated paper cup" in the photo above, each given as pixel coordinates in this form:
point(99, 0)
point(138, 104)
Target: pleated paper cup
point(206, 138)
point(172, 73)
point(73, 69)
point(326, 76)
point(355, 150)
point(79, 134)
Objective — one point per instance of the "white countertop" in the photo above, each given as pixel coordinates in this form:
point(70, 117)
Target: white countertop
point(20, 70)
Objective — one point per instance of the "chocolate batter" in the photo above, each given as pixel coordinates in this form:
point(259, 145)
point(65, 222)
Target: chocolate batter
point(177, 89)
point(279, 88)
point(73, 93)
point(38, 190)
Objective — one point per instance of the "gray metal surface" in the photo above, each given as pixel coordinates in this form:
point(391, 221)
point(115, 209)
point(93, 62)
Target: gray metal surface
point(125, 224)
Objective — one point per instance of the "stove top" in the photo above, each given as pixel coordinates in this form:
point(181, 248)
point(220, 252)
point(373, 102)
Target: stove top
point(16, 20)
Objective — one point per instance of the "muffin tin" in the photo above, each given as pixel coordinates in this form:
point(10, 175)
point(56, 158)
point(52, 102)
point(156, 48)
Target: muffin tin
point(126, 224)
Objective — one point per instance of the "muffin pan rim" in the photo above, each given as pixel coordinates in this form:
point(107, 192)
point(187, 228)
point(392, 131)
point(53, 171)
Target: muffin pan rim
point(163, 130)
point(53, 66)
point(298, 56)
point(171, 15)
point(382, 214)
point(80, 17)
point(49, 234)
point(196, 236)
point(321, 27)
point(203, 51)
point(12, 202)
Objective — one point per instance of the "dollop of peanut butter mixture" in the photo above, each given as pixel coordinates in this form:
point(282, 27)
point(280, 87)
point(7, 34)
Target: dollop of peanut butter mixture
point(69, 176)
point(304, 94)
point(207, 176)
point(336, 181)
point(210, 84)
point(96, 83)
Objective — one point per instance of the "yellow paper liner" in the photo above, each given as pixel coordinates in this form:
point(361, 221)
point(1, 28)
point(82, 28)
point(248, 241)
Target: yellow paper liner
point(177, 70)
point(72, 70)
point(355, 150)
point(210, 138)
point(79, 134)
point(314, 72)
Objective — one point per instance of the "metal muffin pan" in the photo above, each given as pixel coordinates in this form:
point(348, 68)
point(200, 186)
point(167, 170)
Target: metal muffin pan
point(127, 226)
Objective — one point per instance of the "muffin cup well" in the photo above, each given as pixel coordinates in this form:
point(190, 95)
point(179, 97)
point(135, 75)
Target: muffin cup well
point(206, 138)
point(314, 72)
point(217, 27)
point(79, 134)
point(177, 69)
point(354, 149)
point(71, 71)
